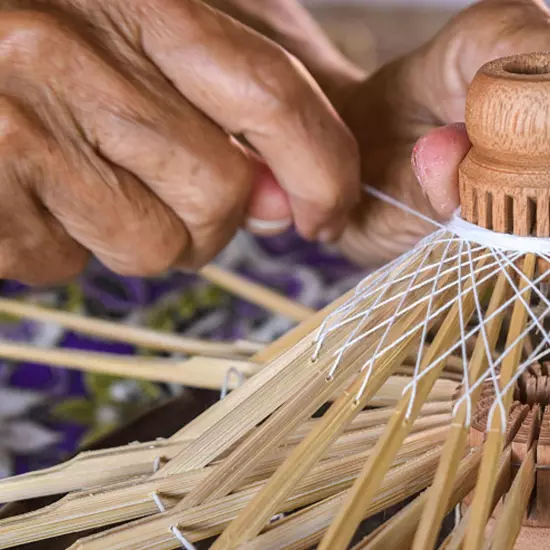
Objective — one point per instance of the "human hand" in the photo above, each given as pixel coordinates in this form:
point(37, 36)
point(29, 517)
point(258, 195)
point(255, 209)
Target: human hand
point(118, 127)
point(424, 94)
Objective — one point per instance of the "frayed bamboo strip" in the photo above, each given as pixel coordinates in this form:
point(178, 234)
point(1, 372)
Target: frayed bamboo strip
point(130, 500)
point(108, 466)
point(138, 336)
point(105, 467)
point(399, 530)
point(99, 508)
point(302, 530)
point(202, 372)
point(210, 519)
point(256, 294)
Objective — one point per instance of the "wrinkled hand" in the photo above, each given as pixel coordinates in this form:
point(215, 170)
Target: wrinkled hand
point(424, 94)
point(118, 137)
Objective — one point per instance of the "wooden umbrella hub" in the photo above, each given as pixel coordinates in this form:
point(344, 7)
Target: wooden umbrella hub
point(504, 180)
point(528, 424)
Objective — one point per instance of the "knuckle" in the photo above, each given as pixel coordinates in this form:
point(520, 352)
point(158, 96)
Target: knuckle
point(32, 33)
point(281, 80)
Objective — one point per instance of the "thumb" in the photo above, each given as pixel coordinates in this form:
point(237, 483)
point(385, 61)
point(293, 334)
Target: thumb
point(435, 160)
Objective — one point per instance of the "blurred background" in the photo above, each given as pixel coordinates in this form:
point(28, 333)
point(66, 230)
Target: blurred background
point(373, 31)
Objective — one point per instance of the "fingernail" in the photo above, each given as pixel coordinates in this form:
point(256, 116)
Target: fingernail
point(264, 227)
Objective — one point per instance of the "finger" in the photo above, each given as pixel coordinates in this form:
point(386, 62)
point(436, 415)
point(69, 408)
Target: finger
point(435, 160)
point(110, 212)
point(142, 125)
point(250, 86)
point(269, 209)
point(34, 248)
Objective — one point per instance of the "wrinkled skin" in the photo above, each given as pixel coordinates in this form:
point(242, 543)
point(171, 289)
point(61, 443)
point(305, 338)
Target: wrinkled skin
point(414, 104)
point(118, 138)
point(115, 119)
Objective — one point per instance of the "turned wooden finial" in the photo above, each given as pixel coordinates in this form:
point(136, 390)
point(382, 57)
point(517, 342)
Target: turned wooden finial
point(505, 178)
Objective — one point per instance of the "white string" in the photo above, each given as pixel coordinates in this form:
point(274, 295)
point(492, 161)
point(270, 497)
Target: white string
point(156, 464)
point(472, 332)
point(369, 365)
point(500, 252)
point(425, 332)
point(174, 529)
point(227, 379)
point(394, 202)
point(425, 298)
point(158, 502)
point(492, 239)
point(395, 296)
point(183, 541)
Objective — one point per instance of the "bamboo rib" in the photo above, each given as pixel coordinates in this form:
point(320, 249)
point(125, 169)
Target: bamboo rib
point(340, 533)
point(202, 372)
point(495, 436)
point(97, 467)
point(440, 492)
point(256, 294)
point(508, 524)
point(131, 499)
point(138, 336)
point(399, 530)
point(455, 539)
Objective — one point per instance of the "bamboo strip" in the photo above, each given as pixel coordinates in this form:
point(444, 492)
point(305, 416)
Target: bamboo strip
point(138, 336)
point(105, 467)
point(495, 436)
point(339, 535)
point(255, 293)
point(302, 530)
point(202, 372)
point(508, 525)
point(399, 530)
point(455, 539)
point(440, 492)
point(209, 519)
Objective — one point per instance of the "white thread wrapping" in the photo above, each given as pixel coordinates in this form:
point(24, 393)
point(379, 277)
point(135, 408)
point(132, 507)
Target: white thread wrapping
point(500, 252)
point(492, 239)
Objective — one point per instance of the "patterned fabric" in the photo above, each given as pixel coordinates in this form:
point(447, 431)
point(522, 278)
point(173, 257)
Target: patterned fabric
point(46, 412)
